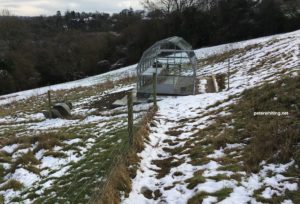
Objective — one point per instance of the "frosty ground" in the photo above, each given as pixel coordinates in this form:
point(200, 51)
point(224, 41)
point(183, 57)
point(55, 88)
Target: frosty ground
point(64, 160)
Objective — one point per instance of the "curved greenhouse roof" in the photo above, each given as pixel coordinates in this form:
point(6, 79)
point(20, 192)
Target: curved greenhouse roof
point(174, 62)
point(175, 42)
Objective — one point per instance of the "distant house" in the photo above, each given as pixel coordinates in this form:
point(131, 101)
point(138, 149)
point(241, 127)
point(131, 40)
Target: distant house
point(174, 62)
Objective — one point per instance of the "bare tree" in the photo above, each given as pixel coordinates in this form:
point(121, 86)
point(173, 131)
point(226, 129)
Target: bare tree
point(5, 12)
point(168, 6)
point(163, 5)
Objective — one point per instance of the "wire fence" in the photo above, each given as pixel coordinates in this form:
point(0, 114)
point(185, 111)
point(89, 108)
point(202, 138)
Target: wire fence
point(121, 154)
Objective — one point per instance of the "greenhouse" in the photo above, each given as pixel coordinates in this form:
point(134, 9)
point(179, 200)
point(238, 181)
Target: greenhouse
point(174, 63)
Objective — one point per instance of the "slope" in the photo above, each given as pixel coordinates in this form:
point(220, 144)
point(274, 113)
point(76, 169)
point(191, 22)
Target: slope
point(199, 149)
point(41, 158)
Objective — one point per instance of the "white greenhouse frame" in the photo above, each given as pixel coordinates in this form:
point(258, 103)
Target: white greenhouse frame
point(174, 62)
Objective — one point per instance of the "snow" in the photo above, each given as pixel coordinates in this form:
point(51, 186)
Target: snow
point(209, 51)
point(269, 193)
point(52, 123)
point(94, 118)
point(239, 195)
point(73, 141)
point(287, 202)
point(25, 177)
point(51, 162)
point(39, 155)
point(21, 118)
point(217, 154)
point(89, 81)
point(209, 200)
point(277, 168)
point(172, 110)
point(211, 186)
point(10, 148)
point(234, 146)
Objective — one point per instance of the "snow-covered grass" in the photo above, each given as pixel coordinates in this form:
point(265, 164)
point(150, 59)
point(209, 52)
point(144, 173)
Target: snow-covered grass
point(195, 153)
point(190, 156)
point(62, 160)
point(87, 82)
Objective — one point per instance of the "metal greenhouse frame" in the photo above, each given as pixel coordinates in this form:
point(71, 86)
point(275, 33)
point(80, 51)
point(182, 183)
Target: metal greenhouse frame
point(174, 63)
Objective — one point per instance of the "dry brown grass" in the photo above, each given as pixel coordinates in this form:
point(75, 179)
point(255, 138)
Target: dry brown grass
point(214, 59)
point(28, 161)
point(221, 81)
point(5, 157)
point(127, 80)
point(170, 142)
point(119, 180)
point(197, 83)
point(196, 179)
point(55, 154)
point(12, 184)
point(221, 194)
point(45, 140)
point(38, 103)
point(165, 166)
point(48, 141)
point(174, 132)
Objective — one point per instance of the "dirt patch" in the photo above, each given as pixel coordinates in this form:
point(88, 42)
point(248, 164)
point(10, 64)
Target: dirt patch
point(221, 81)
point(165, 166)
point(210, 88)
point(173, 132)
point(170, 142)
point(106, 101)
point(147, 192)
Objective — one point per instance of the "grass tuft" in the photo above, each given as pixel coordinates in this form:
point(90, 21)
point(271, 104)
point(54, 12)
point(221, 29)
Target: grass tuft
point(195, 180)
point(221, 195)
point(12, 184)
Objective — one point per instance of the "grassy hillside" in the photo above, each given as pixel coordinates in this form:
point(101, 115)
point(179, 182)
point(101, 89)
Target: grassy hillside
point(208, 147)
point(262, 140)
point(215, 147)
point(63, 160)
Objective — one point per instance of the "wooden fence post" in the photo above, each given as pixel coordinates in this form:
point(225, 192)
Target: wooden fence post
point(228, 75)
point(130, 117)
point(49, 104)
point(154, 90)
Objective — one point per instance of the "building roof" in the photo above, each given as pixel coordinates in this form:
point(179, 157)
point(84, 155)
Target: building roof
point(172, 43)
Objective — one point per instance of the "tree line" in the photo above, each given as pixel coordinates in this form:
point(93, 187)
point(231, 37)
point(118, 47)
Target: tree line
point(44, 50)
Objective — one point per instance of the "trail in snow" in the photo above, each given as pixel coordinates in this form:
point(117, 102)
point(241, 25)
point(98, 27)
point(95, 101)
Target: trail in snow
point(192, 110)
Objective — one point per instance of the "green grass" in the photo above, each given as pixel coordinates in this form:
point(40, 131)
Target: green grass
point(274, 139)
point(271, 138)
point(2, 199)
point(219, 177)
point(221, 195)
point(85, 175)
point(2, 173)
point(195, 180)
point(5, 157)
point(55, 154)
point(231, 167)
point(36, 104)
point(12, 184)
point(82, 177)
